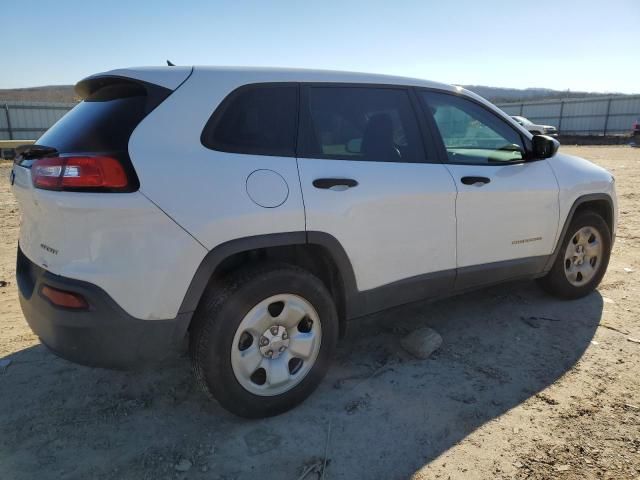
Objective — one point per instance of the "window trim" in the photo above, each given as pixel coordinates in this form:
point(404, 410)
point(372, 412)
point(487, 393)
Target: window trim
point(222, 107)
point(439, 141)
point(428, 152)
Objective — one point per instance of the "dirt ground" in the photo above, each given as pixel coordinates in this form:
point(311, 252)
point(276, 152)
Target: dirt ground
point(524, 386)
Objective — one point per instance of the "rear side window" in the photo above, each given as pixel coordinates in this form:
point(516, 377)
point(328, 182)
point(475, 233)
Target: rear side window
point(257, 120)
point(105, 119)
point(361, 123)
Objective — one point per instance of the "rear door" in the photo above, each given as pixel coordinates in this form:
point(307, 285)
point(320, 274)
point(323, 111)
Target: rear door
point(368, 180)
point(507, 208)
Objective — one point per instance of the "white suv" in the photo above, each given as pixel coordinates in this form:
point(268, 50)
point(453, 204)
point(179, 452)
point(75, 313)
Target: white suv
point(257, 210)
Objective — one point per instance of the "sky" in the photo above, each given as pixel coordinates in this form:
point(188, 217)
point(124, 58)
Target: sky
point(563, 44)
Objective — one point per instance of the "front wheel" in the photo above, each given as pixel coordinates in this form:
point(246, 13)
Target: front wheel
point(582, 260)
point(263, 341)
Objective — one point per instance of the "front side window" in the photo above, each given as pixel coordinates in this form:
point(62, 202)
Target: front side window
point(258, 120)
point(470, 133)
point(361, 123)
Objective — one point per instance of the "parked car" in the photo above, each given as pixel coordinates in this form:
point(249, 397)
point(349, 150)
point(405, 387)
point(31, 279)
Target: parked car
point(536, 129)
point(255, 211)
point(635, 133)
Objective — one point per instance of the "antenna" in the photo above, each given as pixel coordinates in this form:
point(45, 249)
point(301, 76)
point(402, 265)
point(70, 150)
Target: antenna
point(170, 64)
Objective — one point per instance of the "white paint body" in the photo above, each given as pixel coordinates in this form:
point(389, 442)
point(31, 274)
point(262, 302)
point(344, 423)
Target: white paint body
point(402, 220)
point(123, 243)
point(490, 217)
point(399, 222)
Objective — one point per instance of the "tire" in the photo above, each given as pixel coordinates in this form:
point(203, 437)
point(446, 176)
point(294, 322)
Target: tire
point(565, 279)
point(223, 355)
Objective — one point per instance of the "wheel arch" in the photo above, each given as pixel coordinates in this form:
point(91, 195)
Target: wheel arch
point(600, 203)
point(318, 252)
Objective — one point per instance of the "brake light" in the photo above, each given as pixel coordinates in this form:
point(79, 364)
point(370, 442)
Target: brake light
point(62, 298)
point(79, 172)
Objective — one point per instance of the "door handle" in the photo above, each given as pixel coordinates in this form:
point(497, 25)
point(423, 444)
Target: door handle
point(479, 181)
point(334, 183)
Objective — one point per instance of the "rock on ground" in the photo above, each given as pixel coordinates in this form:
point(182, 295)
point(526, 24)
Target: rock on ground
point(421, 343)
point(183, 465)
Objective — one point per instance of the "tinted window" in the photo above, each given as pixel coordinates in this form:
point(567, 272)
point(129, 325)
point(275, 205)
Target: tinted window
point(103, 122)
point(361, 124)
point(259, 120)
point(471, 134)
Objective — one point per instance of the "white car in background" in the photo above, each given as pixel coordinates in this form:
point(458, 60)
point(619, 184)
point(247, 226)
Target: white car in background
point(255, 211)
point(535, 128)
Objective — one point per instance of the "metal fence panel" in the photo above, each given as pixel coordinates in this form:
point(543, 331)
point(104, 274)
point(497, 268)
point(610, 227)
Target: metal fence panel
point(625, 105)
point(510, 108)
point(590, 109)
point(546, 110)
point(609, 115)
point(29, 120)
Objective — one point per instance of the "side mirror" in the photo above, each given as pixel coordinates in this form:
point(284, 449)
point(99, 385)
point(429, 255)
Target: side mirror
point(544, 146)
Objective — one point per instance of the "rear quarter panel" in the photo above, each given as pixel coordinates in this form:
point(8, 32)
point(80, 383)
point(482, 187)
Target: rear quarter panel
point(120, 242)
point(203, 190)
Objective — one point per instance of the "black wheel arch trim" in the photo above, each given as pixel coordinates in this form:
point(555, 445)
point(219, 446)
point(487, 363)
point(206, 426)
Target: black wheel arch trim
point(223, 251)
point(356, 303)
point(590, 197)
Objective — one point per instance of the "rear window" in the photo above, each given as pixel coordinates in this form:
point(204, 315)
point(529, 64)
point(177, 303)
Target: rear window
point(257, 120)
point(105, 119)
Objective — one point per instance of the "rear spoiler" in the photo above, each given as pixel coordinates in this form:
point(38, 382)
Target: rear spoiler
point(105, 88)
point(169, 78)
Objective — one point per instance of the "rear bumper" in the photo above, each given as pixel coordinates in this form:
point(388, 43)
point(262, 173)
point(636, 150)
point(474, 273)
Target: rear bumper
point(104, 335)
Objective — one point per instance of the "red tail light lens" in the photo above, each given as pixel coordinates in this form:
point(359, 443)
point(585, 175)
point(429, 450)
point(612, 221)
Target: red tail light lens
point(62, 298)
point(79, 172)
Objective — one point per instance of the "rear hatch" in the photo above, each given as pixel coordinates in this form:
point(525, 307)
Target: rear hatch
point(80, 169)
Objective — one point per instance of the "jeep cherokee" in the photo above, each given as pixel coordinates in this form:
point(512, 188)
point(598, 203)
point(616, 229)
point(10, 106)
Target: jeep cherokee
point(254, 211)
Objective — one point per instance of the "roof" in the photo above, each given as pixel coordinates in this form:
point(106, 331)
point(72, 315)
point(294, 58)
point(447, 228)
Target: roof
point(171, 77)
point(311, 75)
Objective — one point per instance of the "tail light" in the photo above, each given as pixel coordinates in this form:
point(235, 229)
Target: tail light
point(63, 298)
point(100, 173)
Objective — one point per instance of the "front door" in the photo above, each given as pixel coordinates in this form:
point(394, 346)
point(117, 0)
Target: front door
point(507, 209)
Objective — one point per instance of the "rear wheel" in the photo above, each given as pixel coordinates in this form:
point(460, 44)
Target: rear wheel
point(263, 342)
point(582, 260)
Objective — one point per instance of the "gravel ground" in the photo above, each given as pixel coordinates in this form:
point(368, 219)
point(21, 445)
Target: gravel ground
point(524, 386)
